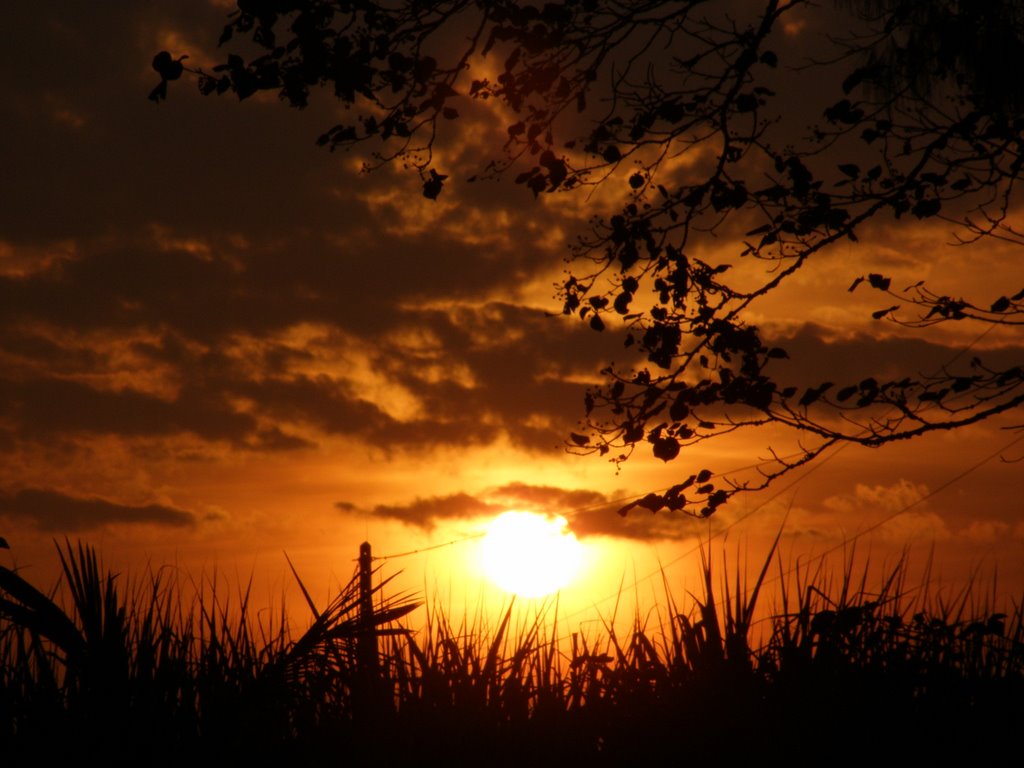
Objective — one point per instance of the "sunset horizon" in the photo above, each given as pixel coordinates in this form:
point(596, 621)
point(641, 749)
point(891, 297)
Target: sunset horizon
point(557, 321)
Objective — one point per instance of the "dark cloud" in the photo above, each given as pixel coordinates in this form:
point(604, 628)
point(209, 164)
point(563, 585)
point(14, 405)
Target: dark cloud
point(160, 265)
point(58, 512)
point(549, 498)
point(42, 407)
point(523, 365)
point(589, 513)
point(817, 353)
point(426, 513)
point(186, 227)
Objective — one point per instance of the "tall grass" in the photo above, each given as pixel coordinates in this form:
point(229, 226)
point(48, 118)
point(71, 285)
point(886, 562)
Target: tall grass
point(158, 670)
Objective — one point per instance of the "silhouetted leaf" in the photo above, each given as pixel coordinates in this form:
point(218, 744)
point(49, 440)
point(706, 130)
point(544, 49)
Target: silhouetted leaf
point(846, 393)
point(433, 185)
point(679, 409)
point(878, 281)
point(1000, 305)
point(166, 67)
point(159, 92)
point(666, 448)
point(813, 394)
point(928, 207)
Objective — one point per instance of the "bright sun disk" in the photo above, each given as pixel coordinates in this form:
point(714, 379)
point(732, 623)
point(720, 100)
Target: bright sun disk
point(528, 554)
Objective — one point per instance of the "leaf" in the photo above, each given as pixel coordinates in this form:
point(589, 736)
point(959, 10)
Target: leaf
point(1000, 305)
point(579, 439)
point(814, 393)
point(851, 170)
point(844, 112)
point(846, 393)
point(854, 79)
point(611, 154)
point(666, 448)
point(923, 209)
point(855, 283)
point(432, 186)
point(878, 281)
point(962, 383)
point(651, 501)
point(168, 68)
point(679, 409)
point(879, 314)
point(159, 93)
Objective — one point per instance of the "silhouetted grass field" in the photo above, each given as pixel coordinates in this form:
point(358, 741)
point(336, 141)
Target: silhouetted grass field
point(154, 672)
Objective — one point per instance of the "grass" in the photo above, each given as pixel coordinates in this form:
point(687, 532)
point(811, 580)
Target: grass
point(156, 671)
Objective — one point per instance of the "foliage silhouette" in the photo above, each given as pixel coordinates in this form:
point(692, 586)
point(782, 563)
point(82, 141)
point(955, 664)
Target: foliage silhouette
point(162, 673)
point(713, 123)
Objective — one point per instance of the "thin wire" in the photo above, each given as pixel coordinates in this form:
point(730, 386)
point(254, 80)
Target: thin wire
point(842, 545)
point(842, 446)
point(576, 512)
point(432, 547)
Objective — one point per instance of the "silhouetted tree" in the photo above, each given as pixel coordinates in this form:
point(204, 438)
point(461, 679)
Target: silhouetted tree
point(712, 120)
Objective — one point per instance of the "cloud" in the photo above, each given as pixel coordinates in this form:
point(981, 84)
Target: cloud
point(818, 353)
point(903, 501)
point(426, 513)
point(986, 531)
point(462, 375)
point(58, 512)
point(896, 497)
point(589, 513)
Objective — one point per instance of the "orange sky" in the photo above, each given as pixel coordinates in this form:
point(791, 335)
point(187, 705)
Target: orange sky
point(218, 342)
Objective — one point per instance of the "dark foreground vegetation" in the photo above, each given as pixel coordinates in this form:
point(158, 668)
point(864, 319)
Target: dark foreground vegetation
point(139, 673)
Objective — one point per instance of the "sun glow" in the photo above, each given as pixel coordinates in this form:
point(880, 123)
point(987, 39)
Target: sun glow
point(530, 555)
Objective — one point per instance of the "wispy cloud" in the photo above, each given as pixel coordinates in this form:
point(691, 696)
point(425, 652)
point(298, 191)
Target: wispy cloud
point(58, 512)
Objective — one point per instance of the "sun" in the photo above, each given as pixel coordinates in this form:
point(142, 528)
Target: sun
point(530, 555)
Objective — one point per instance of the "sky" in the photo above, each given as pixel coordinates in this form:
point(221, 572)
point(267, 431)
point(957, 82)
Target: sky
point(220, 342)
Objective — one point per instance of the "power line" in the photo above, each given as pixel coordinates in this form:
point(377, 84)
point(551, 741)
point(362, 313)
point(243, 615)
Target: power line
point(432, 547)
point(576, 512)
point(842, 545)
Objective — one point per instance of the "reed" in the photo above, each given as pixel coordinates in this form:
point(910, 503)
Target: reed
point(164, 669)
